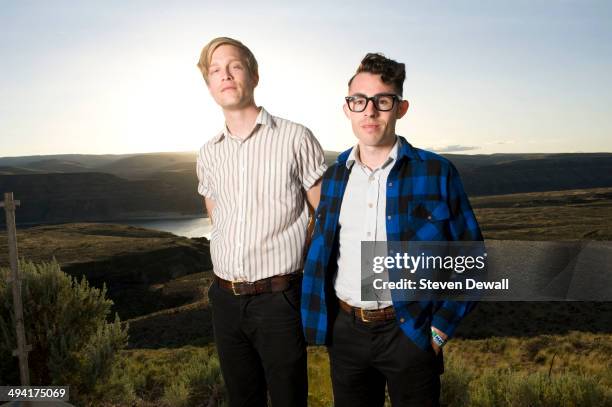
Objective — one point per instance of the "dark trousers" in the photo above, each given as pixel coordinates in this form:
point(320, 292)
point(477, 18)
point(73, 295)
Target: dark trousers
point(261, 346)
point(366, 356)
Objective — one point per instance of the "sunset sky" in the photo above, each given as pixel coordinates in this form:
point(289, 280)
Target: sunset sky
point(482, 77)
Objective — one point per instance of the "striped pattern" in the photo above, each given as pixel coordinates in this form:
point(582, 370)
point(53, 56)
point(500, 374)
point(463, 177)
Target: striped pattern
point(258, 185)
point(425, 202)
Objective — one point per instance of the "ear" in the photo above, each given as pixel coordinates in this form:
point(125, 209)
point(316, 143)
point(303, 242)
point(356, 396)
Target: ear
point(402, 109)
point(255, 80)
point(347, 112)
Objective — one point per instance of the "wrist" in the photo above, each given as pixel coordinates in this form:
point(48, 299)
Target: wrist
point(437, 338)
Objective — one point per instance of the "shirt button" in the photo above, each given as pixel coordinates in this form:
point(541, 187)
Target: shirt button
point(369, 234)
point(429, 217)
point(402, 320)
point(390, 184)
point(371, 178)
point(389, 217)
point(370, 205)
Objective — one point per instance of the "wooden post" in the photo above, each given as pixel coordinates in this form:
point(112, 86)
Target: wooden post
point(22, 348)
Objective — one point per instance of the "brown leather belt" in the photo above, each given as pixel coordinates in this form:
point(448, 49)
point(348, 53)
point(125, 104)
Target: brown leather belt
point(266, 285)
point(368, 315)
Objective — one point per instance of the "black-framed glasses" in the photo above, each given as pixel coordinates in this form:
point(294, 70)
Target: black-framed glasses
point(383, 102)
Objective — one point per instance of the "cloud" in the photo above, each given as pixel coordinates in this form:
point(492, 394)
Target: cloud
point(452, 148)
point(500, 142)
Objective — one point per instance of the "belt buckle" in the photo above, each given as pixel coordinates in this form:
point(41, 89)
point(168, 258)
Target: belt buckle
point(234, 287)
point(363, 318)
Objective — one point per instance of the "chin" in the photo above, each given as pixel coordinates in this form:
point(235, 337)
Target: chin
point(231, 104)
point(371, 140)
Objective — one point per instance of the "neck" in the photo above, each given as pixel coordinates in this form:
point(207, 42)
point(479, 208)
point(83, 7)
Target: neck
point(374, 156)
point(240, 122)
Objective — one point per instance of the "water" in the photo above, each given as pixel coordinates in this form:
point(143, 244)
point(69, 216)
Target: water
point(193, 227)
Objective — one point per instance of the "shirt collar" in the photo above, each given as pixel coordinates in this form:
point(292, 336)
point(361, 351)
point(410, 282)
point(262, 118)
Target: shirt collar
point(263, 118)
point(354, 155)
point(405, 149)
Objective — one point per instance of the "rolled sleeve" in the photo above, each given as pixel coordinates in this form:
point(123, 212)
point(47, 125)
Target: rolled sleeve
point(204, 183)
point(450, 314)
point(311, 160)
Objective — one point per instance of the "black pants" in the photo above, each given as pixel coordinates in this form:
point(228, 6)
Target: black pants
point(261, 346)
point(366, 356)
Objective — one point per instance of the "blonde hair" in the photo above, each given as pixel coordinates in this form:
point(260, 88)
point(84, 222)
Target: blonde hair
point(207, 51)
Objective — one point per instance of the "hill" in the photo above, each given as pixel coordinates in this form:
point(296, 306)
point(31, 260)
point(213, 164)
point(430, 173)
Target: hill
point(141, 268)
point(157, 278)
point(159, 281)
point(98, 196)
point(141, 166)
point(74, 188)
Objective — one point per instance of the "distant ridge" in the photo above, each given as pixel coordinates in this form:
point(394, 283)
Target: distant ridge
point(81, 187)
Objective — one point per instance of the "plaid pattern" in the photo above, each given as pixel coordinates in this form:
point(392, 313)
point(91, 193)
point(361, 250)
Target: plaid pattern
point(425, 202)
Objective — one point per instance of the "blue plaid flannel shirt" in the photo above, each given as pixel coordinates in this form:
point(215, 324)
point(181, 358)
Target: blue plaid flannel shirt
point(425, 202)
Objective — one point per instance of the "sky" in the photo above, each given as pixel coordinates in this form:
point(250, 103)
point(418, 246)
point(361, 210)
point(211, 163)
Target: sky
point(482, 77)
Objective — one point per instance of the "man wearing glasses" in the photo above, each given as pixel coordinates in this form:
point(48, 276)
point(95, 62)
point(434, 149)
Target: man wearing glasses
point(366, 196)
point(257, 177)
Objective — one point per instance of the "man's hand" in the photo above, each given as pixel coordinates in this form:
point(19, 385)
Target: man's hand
point(434, 345)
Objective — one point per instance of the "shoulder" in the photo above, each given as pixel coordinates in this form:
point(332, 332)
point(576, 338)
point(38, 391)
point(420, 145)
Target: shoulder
point(298, 136)
point(290, 128)
point(209, 149)
point(435, 161)
point(211, 143)
point(339, 164)
point(427, 155)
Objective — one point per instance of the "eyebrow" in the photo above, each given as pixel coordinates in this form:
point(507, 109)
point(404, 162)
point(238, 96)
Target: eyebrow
point(229, 62)
point(377, 94)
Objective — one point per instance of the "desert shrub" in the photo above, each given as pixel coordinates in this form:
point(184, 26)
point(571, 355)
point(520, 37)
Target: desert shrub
point(187, 376)
point(66, 323)
point(455, 384)
point(199, 382)
point(507, 388)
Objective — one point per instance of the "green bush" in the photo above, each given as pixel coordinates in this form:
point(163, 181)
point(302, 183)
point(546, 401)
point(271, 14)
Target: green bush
point(187, 376)
point(455, 384)
point(66, 323)
point(501, 388)
point(538, 389)
point(198, 383)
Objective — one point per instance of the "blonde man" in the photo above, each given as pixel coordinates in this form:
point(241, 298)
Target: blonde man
point(259, 178)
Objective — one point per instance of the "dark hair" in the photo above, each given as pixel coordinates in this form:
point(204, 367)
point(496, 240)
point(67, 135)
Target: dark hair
point(391, 72)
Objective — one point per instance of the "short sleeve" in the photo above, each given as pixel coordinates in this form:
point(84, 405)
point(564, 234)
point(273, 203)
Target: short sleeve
point(204, 183)
point(311, 160)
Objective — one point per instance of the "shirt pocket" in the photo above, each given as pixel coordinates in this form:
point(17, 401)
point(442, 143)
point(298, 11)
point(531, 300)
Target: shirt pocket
point(429, 220)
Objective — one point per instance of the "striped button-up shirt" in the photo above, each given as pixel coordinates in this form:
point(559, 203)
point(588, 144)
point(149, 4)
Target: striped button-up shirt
point(259, 187)
point(425, 202)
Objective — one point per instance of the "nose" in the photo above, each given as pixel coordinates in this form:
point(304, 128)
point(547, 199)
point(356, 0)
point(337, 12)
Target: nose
point(227, 74)
point(370, 110)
